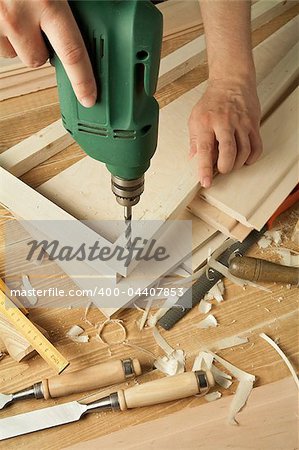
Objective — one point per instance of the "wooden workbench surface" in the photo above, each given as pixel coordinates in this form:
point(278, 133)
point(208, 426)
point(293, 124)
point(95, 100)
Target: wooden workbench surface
point(243, 312)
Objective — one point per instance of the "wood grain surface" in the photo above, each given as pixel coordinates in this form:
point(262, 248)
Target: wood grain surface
point(243, 312)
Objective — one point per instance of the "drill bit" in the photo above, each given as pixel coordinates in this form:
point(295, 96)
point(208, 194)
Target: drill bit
point(128, 222)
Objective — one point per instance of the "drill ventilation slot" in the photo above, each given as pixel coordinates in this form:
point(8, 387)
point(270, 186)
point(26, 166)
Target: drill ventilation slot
point(124, 134)
point(92, 129)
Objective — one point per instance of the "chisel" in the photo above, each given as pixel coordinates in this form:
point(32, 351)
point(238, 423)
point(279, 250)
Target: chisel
point(154, 392)
point(256, 269)
point(87, 379)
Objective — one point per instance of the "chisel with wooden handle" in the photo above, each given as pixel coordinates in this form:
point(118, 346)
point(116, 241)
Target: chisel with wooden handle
point(154, 392)
point(87, 379)
point(256, 269)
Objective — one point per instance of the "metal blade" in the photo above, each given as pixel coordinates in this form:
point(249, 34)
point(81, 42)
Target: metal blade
point(41, 419)
point(5, 399)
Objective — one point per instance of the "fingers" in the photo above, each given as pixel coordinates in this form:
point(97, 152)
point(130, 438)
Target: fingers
point(256, 147)
point(29, 45)
point(202, 143)
point(227, 148)
point(65, 37)
point(6, 49)
point(243, 148)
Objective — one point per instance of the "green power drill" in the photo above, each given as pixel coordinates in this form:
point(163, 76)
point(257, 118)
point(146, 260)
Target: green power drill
point(123, 39)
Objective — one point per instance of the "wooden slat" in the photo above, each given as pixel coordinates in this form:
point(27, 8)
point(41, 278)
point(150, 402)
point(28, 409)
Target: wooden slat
point(254, 192)
point(36, 149)
point(218, 219)
point(206, 424)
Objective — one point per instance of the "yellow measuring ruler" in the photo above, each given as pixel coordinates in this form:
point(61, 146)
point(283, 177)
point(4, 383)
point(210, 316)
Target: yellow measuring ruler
point(37, 340)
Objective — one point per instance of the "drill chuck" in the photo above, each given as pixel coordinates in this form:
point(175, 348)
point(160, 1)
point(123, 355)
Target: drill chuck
point(127, 192)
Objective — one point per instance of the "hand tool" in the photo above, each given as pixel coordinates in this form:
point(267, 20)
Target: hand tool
point(37, 340)
point(256, 269)
point(93, 377)
point(205, 282)
point(154, 392)
point(123, 40)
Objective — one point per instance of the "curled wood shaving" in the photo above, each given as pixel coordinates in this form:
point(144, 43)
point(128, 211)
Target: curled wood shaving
point(142, 320)
point(110, 321)
point(74, 334)
point(212, 396)
point(216, 292)
point(244, 388)
point(287, 258)
point(229, 342)
point(204, 306)
point(153, 318)
point(88, 306)
point(141, 349)
point(221, 378)
point(27, 287)
point(203, 361)
point(209, 322)
point(283, 356)
point(264, 242)
point(2, 355)
point(173, 362)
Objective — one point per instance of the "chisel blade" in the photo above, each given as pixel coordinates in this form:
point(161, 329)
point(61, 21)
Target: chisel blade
point(40, 419)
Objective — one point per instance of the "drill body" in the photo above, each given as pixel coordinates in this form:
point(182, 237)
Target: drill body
point(123, 39)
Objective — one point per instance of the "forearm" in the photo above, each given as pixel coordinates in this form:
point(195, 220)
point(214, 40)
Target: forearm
point(228, 38)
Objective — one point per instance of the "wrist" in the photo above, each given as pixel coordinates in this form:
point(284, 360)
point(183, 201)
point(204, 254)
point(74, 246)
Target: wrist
point(240, 72)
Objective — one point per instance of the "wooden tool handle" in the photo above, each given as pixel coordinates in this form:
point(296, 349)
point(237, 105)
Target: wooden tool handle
point(160, 391)
point(255, 269)
point(93, 377)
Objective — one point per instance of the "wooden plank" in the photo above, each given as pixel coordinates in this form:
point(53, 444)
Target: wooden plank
point(36, 149)
point(285, 74)
point(22, 80)
point(206, 424)
point(218, 219)
point(254, 192)
point(193, 54)
point(31, 206)
point(180, 17)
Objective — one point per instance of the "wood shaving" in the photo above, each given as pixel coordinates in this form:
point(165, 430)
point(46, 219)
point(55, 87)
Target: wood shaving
point(264, 242)
point(212, 396)
point(119, 323)
point(169, 303)
point(204, 307)
point(216, 292)
point(28, 288)
point(142, 320)
point(2, 355)
point(288, 257)
point(246, 381)
point(221, 378)
point(209, 322)
point(74, 334)
point(283, 356)
point(141, 349)
point(203, 361)
point(88, 306)
point(173, 362)
point(229, 342)
point(274, 236)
